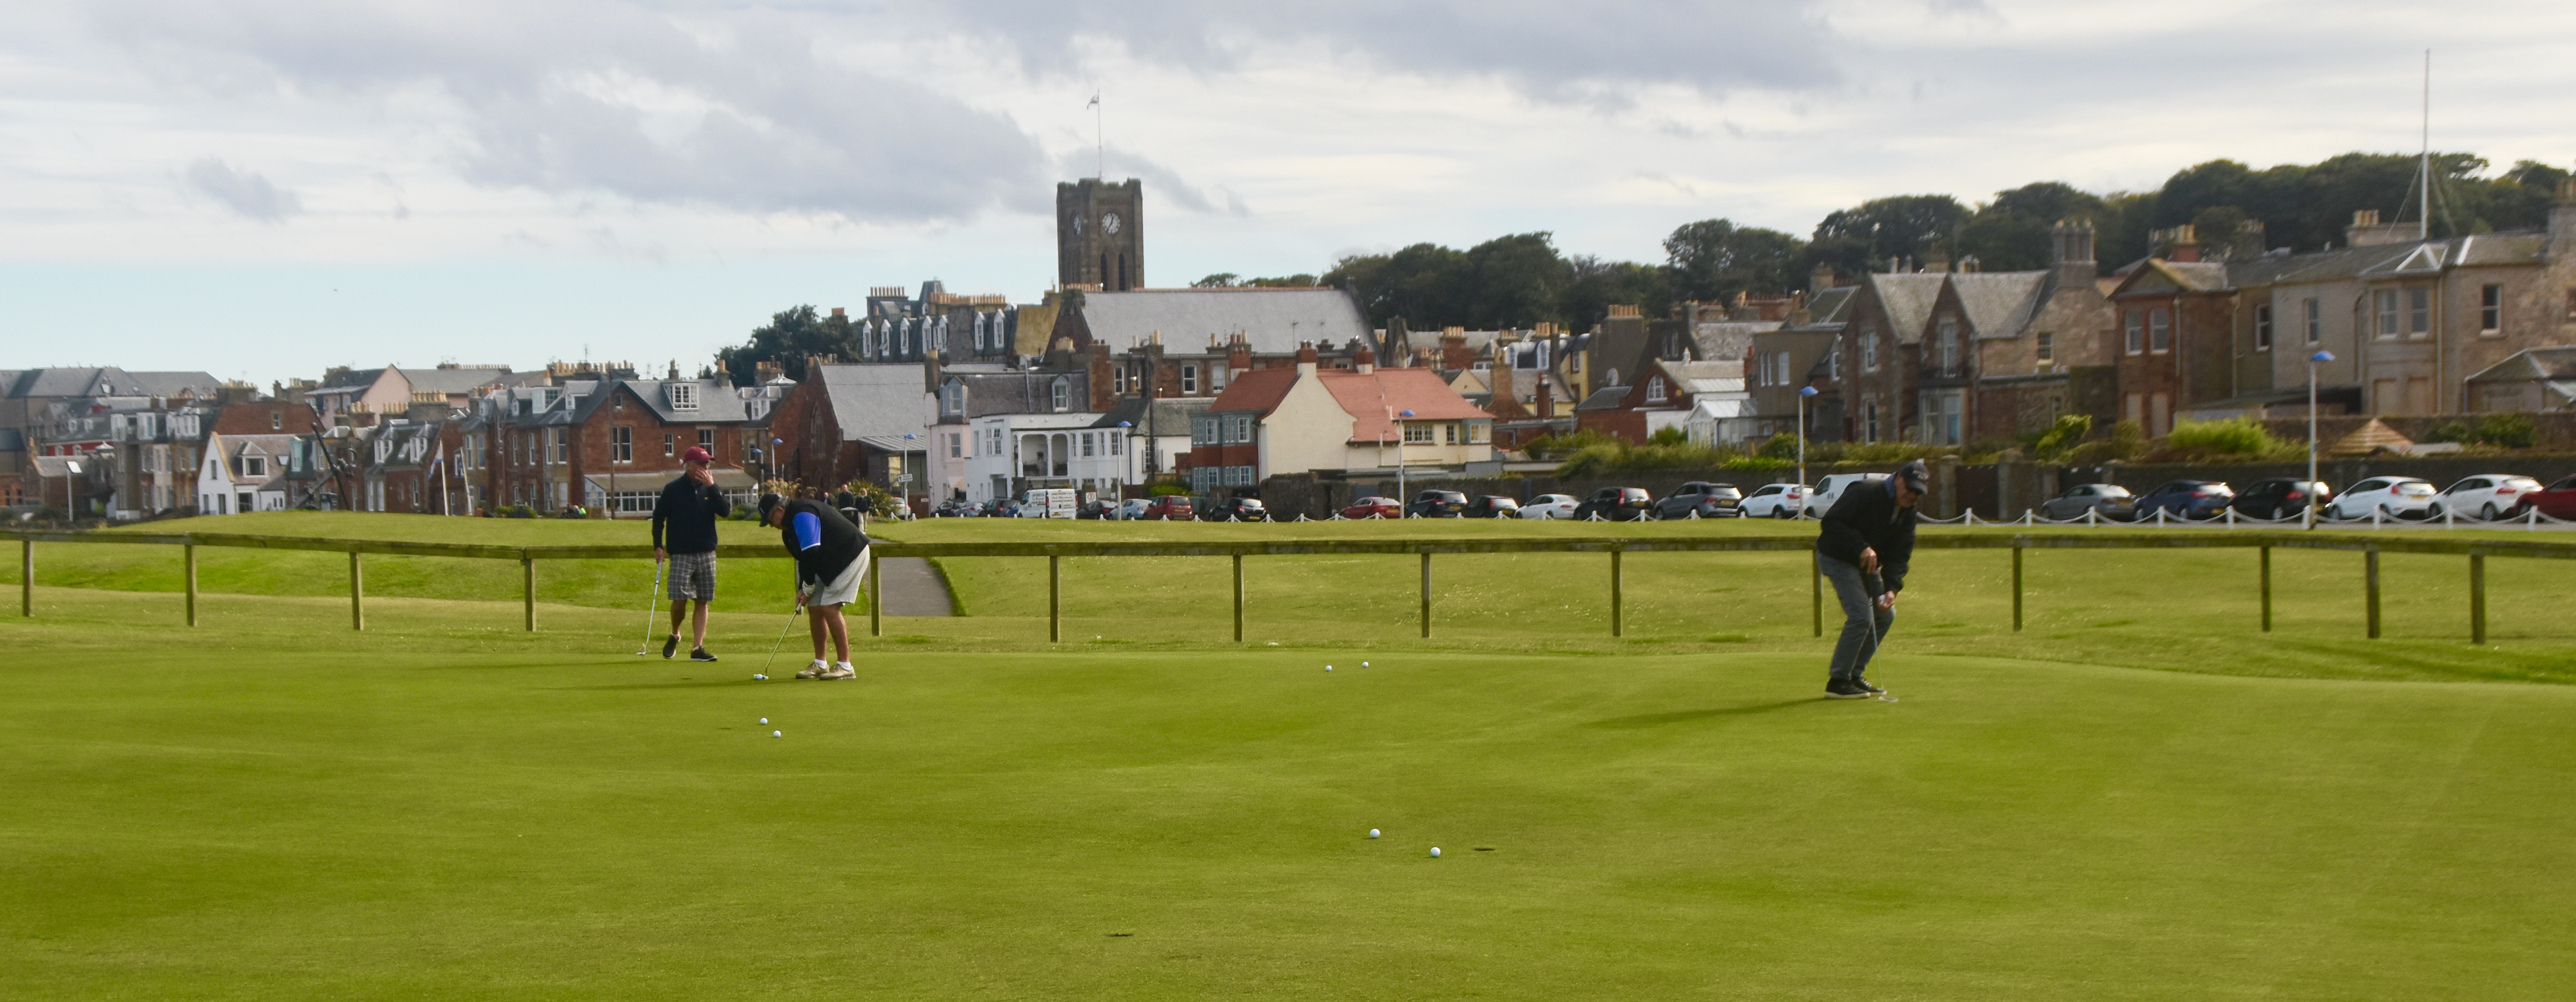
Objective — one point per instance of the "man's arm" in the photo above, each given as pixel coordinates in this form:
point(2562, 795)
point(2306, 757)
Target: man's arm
point(1898, 554)
point(717, 502)
point(1839, 535)
point(661, 516)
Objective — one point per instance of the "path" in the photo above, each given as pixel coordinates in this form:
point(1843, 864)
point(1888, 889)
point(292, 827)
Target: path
point(913, 587)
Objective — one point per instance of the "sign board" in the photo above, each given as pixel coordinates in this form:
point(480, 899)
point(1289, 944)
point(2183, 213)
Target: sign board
point(903, 478)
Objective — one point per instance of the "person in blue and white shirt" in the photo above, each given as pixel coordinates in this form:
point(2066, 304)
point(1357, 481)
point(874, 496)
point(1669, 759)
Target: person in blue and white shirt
point(831, 559)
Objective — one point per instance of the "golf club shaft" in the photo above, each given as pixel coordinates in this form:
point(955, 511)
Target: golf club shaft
point(765, 666)
point(651, 606)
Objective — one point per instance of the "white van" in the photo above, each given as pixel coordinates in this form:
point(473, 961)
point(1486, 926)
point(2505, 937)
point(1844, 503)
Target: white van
point(1830, 490)
point(1057, 502)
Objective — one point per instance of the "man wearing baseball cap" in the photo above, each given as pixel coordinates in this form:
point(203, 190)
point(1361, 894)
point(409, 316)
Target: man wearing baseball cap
point(1866, 543)
point(831, 559)
point(684, 533)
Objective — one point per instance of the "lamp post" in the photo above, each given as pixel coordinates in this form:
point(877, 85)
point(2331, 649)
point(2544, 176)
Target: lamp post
point(2308, 513)
point(1400, 489)
point(1803, 393)
point(1118, 485)
point(105, 455)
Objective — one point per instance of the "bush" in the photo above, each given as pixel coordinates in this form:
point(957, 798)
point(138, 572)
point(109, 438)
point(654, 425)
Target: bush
point(2506, 431)
point(2069, 432)
point(1669, 436)
point(2232, 437)
point(1780, 446)
point(875, 500)
point(1166, 490)
point(1551, 446)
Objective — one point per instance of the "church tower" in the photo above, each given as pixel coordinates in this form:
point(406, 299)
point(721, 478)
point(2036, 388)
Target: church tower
point(1100, 234)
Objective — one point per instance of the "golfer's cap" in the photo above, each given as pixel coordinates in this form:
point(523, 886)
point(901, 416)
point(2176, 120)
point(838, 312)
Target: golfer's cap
point(1916, 476)
point(697, 454)
point(769, 503)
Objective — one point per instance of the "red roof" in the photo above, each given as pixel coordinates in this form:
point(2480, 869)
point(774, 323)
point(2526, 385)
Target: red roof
point(1257, 390)
point(1373, 398)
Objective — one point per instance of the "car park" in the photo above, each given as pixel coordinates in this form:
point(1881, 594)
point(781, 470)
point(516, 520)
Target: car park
point(1617, 504)
point(2111, 500)
point(1493, 506)
point(2386, 497)
point(2279, 498)
point(1373, 507)
point(1547, 506)
point(1001, 508)
point(1236, 510)
point(1831, 488)
point(2488, 495)
point(1133, 509)
point(957, 509)
point(1707, 500)
point(1168, 507)
point(2193, 499)
point(1437, 504)
point(2557, 500)
point(1774, 501)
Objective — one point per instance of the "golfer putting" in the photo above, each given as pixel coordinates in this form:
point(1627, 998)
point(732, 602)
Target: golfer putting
point(1866, 542)
point(684, 535)
point(831, 559)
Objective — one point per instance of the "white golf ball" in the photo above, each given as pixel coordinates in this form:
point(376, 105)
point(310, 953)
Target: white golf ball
point(1435, 852)
point(1363, 664)
point(764, 720)
point(1372, 833)
point(757, 677)
point(778, 734)
point(1328, 667)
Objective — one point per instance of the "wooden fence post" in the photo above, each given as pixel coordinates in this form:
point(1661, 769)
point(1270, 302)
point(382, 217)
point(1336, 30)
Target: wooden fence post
point(1238, 598)
point(528, 588)
point(357, 593)
point(2267, 587)
point(1618, 620)
point(189, 569)
point(1426, 594)
point(876, 599)
point(2477, 597)
point(2370, 580)
point(1055, 598)
point(1816, 591)
point(2016, 584)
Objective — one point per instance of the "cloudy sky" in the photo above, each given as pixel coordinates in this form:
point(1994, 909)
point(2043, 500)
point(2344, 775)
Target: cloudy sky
point(260, 188)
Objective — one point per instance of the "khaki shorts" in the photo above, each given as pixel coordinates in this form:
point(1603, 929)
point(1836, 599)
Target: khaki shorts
point(844, 589)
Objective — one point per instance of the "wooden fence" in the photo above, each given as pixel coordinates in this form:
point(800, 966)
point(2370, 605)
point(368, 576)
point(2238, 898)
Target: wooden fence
point(2263, 541)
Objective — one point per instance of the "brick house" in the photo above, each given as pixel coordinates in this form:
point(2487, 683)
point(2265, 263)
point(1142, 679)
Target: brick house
point(1670, 394)
point(607, 445)
point(846, 422)
point(1274, 421)
point(1796, 354)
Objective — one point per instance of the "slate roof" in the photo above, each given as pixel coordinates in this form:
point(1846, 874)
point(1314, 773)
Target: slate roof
point(2531, 363)
point(1274, 321)
point(874, 399)
point(717, 401)
point(102, 381)
point(1831, 306)
point(1170, 415)
point(1607, 398)
point(452, 380)
point(1999, 303)
point(1712, 376)
point(1908, 300)
point(1728, 338)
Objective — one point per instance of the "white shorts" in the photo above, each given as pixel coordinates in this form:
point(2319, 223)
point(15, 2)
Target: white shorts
point(844, 589)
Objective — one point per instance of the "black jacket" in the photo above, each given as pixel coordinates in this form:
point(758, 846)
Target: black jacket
point(684, 520)
point(835, 541)
point(1866, 517)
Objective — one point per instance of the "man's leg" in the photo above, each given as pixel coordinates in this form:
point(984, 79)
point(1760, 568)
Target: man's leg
point(1860, 614)
point(698, 626)
point(814, 622)
point(679, 611)
point(840, 630)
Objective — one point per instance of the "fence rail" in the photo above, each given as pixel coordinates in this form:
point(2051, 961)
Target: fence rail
point(2263, 540)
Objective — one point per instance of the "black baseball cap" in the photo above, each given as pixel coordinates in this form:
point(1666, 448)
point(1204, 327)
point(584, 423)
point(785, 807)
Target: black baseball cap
point(769, 503)
point(1916, 476)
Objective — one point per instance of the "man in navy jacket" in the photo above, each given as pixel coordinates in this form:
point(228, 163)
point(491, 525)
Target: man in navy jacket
point(1866, 543)
point(831, 559)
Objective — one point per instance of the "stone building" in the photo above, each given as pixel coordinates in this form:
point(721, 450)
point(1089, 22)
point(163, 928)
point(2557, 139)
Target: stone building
point(1100, 234)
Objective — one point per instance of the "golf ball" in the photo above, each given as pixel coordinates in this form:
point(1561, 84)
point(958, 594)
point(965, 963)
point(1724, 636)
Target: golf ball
point(757, 677)
point(1328, 667)
point(778, 734)
point(1435, 852)
point(1372, 833)
point(1363, 664)
point(764, 720)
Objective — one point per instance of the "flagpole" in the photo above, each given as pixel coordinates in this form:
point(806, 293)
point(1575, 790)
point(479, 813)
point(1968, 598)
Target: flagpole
point(1099, 138)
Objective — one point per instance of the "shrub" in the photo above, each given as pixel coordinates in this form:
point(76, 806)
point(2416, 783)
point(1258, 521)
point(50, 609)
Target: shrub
point(1669, 436)
point(2506, 431)
point(1780, 446)
point(2231, 437)
point(875, 500)
point(2070, 431)
point(1551, 446)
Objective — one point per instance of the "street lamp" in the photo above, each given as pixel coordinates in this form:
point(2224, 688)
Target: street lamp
point(105, 454)
point(1400, 489)
point(1803, 393)
point(1118, 485)
point(2308, 517)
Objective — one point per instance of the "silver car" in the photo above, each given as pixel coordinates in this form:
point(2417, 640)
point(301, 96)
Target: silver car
point(2112, 500)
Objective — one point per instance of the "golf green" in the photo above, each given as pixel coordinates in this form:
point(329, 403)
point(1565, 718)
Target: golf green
point(273, 806)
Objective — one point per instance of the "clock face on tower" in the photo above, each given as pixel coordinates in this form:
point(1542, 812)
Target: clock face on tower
point(1109, 223)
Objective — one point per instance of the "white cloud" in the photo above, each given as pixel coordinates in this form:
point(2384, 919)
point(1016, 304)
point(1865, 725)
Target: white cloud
point(242, 191)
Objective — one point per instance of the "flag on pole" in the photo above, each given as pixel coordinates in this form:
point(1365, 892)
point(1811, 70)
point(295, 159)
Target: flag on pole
point(1095, 100)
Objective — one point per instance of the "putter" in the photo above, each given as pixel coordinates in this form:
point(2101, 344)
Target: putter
point(649, 609)
point(1883, 696)
point(765, 666)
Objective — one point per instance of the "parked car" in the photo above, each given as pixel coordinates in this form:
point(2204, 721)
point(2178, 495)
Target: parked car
point(1374, 507)
point(2391, 497)
point(1831, 488)
point(1437, 504)
point(1775, 501)
point(1236, 510)
point(2184, 499)
point(958, 509)
point(1708, 499)
point(1168, 507)
point(1550, 506)
point(2557, 500)
point(2112, 500)
point(1618, 504)
point(2279, 497)
point(1133, 509)
point(1001, 508)
point(2487, 495)
point(1493, 506)
point(1101, 510)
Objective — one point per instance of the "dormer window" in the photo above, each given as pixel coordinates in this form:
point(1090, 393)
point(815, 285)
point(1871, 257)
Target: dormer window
point(1061, 394)
point(1655, 390)
point(952, 397)
point(684, 396)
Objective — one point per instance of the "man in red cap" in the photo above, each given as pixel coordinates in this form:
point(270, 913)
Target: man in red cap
point(684, 533)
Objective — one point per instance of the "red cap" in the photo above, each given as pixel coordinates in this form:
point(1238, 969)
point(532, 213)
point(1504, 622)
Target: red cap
point(697, 454)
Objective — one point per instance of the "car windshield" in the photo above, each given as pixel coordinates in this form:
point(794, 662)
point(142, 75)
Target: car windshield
point(2415, 488)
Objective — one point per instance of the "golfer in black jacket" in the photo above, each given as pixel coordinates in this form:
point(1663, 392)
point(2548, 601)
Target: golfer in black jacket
point(831, 559)
point(1868, 540)
point(684, 533)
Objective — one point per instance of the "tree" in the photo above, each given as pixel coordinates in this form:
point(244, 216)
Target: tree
point(1598, 284)
point(788, 339)
point(1887, 229)
point(1712, 260)
point(1220, 280)
point(2011, 233)
point(1514, 281)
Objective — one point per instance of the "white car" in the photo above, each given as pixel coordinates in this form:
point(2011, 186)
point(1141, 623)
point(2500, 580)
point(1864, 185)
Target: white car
point(1550, 506)
point(2488, 495)
point(1830, 490)
point(2391, 497)
point(1775, 501)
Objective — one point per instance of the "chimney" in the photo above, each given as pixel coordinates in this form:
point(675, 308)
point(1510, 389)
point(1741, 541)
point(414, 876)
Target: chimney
point(1238, 353)
point(1306, 359)
point(2071, 255)
point(2179, 243)
point(840, 313)
point(1821, 279)
point(2367, 231)
point(2562, 216)
point(1938, 260)
point(1453, 348)
point(1364, 361)
point(1545, 405)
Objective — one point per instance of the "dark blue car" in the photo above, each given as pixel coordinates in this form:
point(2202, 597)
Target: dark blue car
point(2184, 499)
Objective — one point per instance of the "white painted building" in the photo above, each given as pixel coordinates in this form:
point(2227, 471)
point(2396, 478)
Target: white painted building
point(243, 473)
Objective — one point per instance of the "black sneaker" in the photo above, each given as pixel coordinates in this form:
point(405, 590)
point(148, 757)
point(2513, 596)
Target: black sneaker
point(1864, 684)
point(1842, 688)
point(700, 654)
point(670, 646)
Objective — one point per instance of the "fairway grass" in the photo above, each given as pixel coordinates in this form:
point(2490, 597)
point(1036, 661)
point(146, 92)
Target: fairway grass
point(272, 806)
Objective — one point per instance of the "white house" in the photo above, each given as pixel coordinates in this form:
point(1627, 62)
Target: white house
point(244, 473)
point(1010, 453)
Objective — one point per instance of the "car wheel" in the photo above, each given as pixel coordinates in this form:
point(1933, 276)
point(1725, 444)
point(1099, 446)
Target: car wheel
point(2488, 513)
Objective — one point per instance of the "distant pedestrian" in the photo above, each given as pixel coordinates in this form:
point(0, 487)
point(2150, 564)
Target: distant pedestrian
point(1866, 543)
point(831, 559)
point(684, 533)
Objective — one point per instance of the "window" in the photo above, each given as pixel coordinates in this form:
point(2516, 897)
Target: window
point(562, 451)
point(254, 466)
point(684, 396)
point(1114, 437)
point(1834, 366)
point(1417, 433)
point(2490, 309)
point(1449, 434)
point(2159, 330)
point(1060, 395)
point(1243, 428)
point(2262, 327)
point(2047, 347)
point(2385, 301)
point(994, 447)
point(1087, 445)
point(1655, 390)
point(707, 440)
point(277, 419)
point(2571, 304)
point(670, 445)
point(1949, 346)
point(1203, 431)
point(1869, 353)
point(621, 444)
point(2312, 319)
point(1869, 421)
point(2419, 312)
point(952, 398)
point(2135, 327)
point(1479, 433)
point(1189, 379)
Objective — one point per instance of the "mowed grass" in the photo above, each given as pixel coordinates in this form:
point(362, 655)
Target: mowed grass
point(272, 806)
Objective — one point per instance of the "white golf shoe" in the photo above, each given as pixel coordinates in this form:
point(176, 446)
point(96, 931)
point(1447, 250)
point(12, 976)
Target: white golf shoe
point(814, 670)
point(839, 671)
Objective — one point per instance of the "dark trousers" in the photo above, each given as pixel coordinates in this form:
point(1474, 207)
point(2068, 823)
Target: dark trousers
point(1864, 623)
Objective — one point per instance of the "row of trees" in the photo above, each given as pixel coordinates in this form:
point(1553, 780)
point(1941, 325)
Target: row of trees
point(1521, 279)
